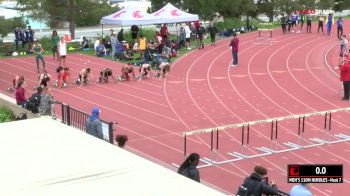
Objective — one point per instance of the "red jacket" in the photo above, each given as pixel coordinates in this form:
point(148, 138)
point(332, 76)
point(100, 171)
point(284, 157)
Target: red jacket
point(20, 98)
point(345, 72)
point(164, 31)
point(234, 44)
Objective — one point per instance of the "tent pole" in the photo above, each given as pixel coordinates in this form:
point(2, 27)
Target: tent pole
point(102, 30)
point(177, 32)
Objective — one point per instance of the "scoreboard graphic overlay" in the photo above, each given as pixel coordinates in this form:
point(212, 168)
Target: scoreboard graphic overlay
point(298, 173)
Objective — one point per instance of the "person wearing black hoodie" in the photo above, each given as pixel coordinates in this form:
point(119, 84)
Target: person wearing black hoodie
point(255, 184)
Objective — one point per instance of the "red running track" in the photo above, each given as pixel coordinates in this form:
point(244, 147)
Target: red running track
point(288, 76)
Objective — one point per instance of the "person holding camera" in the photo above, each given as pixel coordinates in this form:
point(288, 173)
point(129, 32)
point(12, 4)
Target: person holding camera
point(257, 184)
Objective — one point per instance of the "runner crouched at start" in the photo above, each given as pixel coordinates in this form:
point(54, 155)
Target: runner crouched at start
point(145, 71)
point(127, 69)
point(104, 75)
point(83, 76)
point(164, 69)
point(15, 82)
point(43, 79)
point(62, 77)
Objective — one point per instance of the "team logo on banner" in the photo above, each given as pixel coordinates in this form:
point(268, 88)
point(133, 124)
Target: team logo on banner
point(175, 13)
point(137, 14)
point(159, 12)
point(118, 14)
point(305, 12)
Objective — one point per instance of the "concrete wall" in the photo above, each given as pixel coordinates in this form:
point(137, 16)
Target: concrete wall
point(17, 109)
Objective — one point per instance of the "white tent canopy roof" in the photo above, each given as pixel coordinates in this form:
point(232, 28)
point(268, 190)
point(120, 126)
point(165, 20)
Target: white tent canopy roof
point(45, 157)
point(171, 14)
point(130, 16)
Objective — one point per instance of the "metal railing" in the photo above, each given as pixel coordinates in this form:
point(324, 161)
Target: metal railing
point(77, 119)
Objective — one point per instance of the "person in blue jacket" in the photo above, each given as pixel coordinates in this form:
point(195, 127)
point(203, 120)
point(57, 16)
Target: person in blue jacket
point(340, 27)
point(329, 24)
point(93, 124)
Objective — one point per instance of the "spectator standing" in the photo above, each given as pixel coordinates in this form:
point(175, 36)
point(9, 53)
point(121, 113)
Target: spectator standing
point(29, 33)
point(121, 35)
point(212, 31)
point(182, 38)
point(121, 39)
point(38, 51)
point(200, 33)
point(93, 124)
point(345, 78)
point(308, 23)
point(62, 51)
point(20, 93)
point(255, 185)
point(114, 41)
point(234, 48)
point(189, 167)
point(320, 24)
point(134, 30)
point(340, 27)
point(188, 36)
point(300, 190)
point(142, 45)
point(55, 39)
point(164, 33)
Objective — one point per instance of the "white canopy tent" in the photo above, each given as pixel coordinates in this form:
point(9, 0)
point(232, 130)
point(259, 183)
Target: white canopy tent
point(171, 14)
point(45, 157)
point(130, 16)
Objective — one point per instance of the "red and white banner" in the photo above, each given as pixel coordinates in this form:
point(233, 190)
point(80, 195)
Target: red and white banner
point(305, 12)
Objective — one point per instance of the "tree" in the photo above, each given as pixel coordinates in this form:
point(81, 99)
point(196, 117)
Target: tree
point(80, 12)
point(8, 25)
point(267, 7)
point(340, 5)
point(248, 8)
point(325, 4)
point(157, 4)
point(204, 8)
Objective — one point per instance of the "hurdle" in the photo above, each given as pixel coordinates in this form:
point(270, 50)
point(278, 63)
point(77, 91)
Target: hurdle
point(265, 33)
point(245, 136)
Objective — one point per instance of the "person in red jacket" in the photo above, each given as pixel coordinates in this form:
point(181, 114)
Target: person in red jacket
point(234, 47)
point(20, 98)
point(164, 32)
point(345, 78)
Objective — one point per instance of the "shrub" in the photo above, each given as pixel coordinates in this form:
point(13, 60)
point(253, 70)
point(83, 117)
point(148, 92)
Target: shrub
point(230, 23)
point(6, 114)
